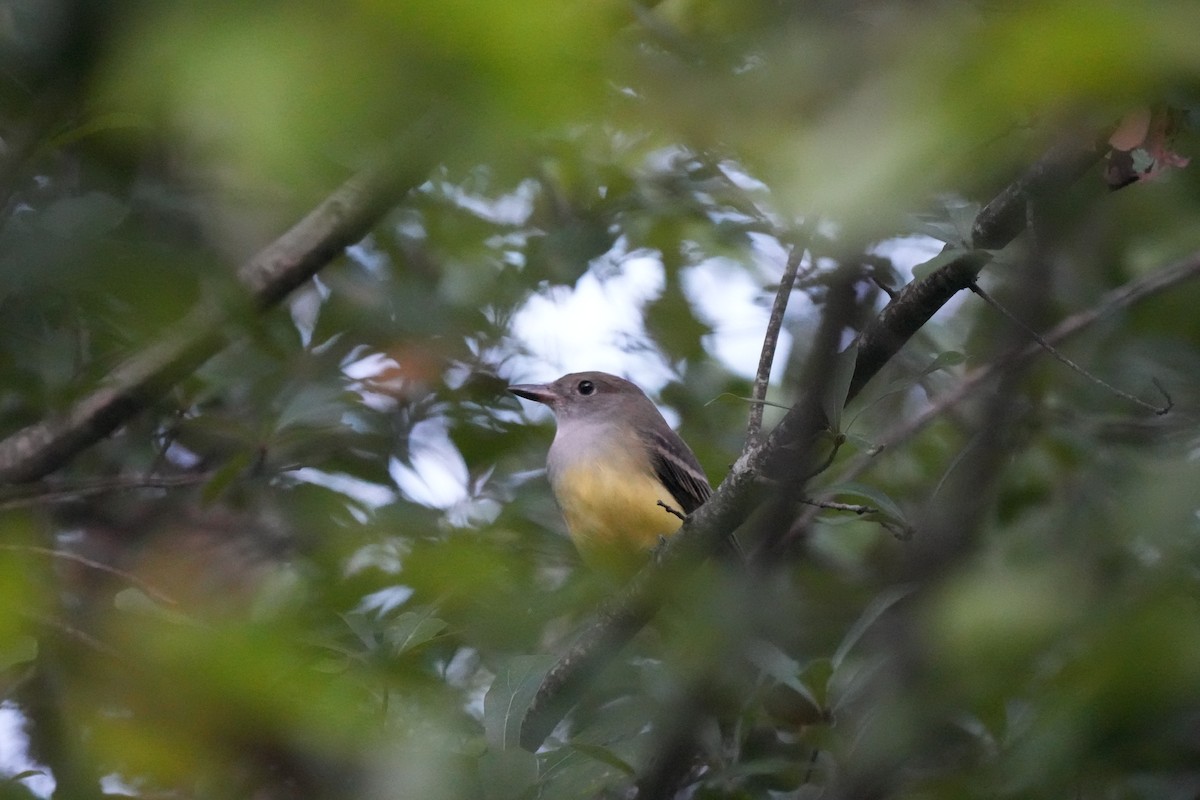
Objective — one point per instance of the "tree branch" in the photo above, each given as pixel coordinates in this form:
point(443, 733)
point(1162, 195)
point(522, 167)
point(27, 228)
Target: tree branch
point(1004, 218)
point(908, 312)
point(31, 494)
point(1000, 221)
point(90, 563)
point(339, 221)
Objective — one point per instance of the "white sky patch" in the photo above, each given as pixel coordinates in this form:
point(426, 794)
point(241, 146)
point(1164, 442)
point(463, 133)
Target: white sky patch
point(907, 252)
point(742, 179)
point(368, 366)
point(371, 495)
point(305, 307)
point(385, 600)
point(733, 302)
point(437, 476)
point(507, 209)
point(14, 752)
point(593, 326)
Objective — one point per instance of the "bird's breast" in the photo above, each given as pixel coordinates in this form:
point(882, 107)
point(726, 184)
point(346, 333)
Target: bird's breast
point(610, 498)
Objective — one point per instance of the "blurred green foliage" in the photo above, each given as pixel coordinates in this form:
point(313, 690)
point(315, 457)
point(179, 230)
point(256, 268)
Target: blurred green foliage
point(324, 563)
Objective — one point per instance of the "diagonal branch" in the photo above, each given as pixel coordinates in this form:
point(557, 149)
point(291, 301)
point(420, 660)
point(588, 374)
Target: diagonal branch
point(1000, 221)
point(338, 222)
point(1005, 217)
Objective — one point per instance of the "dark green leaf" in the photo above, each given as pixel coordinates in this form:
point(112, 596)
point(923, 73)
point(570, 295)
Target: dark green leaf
point(833, 399)
point(411, 629)
point(602, 754)
point(19, 649)
point(507, 774)
point(508, 699)
point(90, 216)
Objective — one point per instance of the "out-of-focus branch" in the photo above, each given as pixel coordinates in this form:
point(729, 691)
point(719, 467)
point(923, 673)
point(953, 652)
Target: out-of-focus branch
point(32, 494)
point(339, 221)
point(66, 555)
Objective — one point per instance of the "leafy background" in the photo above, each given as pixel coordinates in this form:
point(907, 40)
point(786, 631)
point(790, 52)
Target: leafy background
point(241, 592)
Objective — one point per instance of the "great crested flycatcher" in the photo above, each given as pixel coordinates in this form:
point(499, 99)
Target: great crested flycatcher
point(613, 465)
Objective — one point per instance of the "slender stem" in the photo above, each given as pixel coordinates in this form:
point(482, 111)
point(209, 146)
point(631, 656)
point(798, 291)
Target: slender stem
point(92, 564)
point(23, 495)
point(1062, 359)
point(766, 359)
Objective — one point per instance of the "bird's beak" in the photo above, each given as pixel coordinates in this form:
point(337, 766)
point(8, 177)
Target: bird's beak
point(537, 392)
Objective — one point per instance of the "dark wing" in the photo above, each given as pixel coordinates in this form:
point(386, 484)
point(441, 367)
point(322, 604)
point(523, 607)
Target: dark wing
point(676, 466)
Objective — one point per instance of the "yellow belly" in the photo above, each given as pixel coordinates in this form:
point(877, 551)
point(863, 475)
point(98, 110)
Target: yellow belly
point(613, 515)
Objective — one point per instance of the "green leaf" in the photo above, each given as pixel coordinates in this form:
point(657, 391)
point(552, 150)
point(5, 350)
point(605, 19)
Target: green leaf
point(20, 649)
point(879, 604)
point(781, 667)
point(412, 629)
point(509, 698)
point(224, 477)
point(833, 400)
point(603, 755)
point(962, 218)
point(89, 217)
point(360, 626)
point(507, 774)
point(948, 358)
point(817, 675)
point(874, 496)
point(25, 774)
point(135, 601)
point(313, 405)
point(861, 443)
point(100, 123)
point(926, 268)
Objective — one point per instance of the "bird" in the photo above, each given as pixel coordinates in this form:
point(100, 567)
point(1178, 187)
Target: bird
point(622, 477)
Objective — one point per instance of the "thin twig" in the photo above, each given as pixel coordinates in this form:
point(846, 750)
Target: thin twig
point(762, 377)
point(74, 633)
point(670, 510)
point(96, 565)
point(25, 495)
point(997, 224)
point(832, 506)
point(838, 440)
point(1062, 359)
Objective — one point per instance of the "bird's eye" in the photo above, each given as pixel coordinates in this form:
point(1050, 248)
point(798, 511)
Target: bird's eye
point(586, 387)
